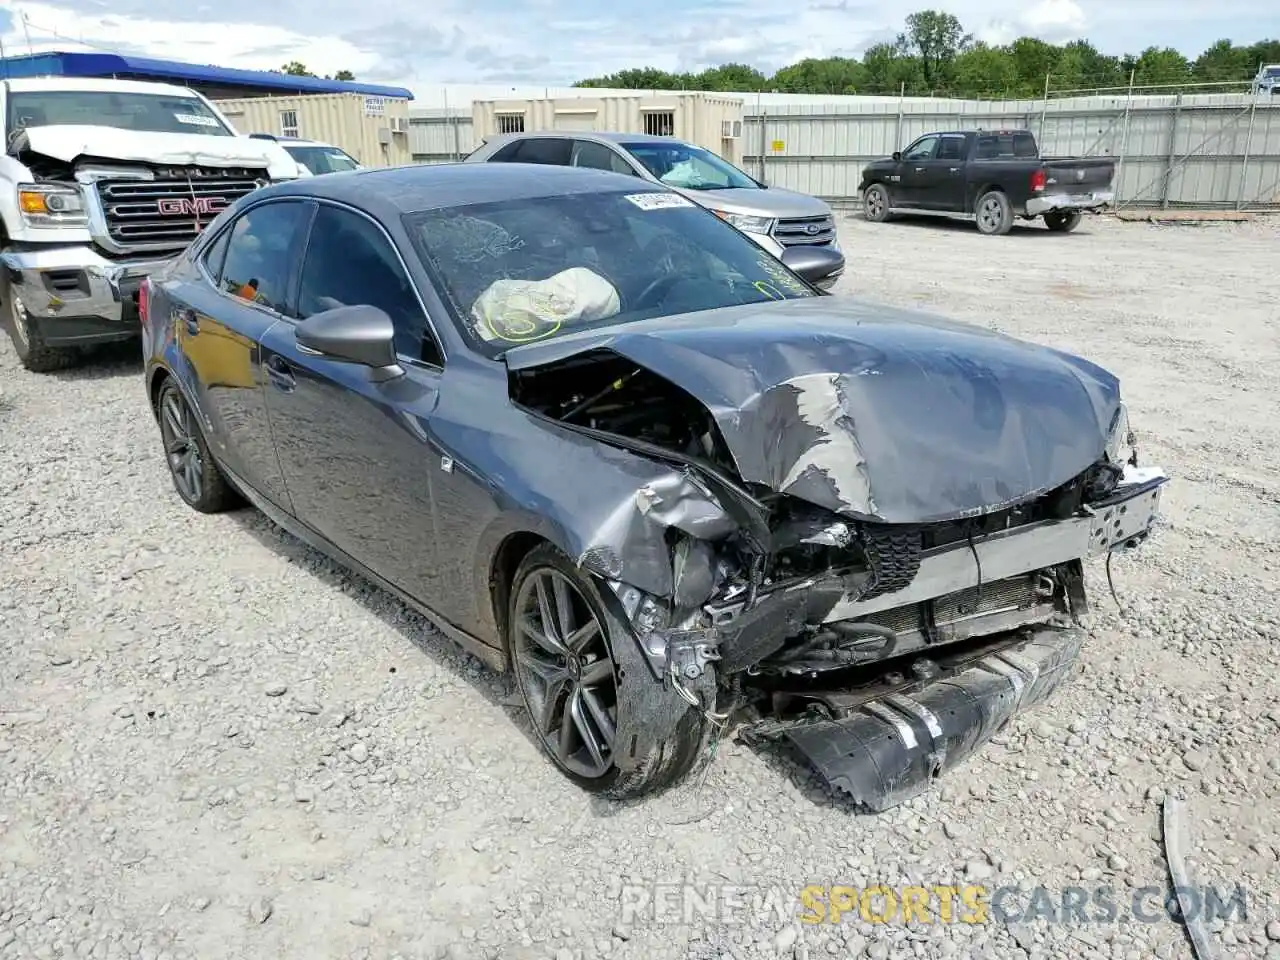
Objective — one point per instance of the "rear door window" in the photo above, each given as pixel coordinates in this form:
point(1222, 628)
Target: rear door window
point(587, 153)
point(550, 150)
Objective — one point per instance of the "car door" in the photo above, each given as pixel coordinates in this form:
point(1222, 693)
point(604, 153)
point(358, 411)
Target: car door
point(912, 172)
point(355, 450)
point(219, 320)
point(942, 182)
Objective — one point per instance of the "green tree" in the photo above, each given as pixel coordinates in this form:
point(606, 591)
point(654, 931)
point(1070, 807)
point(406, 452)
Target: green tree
point(934, 55)
point(935, 38)
point(296, 69)
point(344, 75)
point(1161, 67)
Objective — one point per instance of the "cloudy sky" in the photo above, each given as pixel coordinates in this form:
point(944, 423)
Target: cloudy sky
point(558, 41)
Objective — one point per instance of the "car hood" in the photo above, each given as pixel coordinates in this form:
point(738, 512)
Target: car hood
point(68, 142)
point(875, 413)
point(773, 202)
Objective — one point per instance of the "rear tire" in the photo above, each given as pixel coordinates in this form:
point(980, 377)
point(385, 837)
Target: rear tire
point(561, 640)
point(875, 203)
point(33, 354)
point(994, 214)
point(195, 474)
point(1062, 221)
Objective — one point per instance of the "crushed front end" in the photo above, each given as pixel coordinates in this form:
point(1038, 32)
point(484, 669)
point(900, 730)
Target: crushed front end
point(883, 652)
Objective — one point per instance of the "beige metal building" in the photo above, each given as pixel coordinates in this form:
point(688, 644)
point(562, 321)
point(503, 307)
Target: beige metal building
point(712, 121)
point(374, 130)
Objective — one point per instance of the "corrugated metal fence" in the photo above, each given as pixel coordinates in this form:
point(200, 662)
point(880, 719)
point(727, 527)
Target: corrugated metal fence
point(1195, 150)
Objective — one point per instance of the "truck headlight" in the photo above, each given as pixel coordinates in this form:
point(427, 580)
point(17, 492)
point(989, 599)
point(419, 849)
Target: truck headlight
point(747, 223)
point(51, 205)
point(1121, 442)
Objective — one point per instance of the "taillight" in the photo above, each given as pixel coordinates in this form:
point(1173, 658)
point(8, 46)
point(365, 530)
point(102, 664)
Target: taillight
point(144, 298)
point(1037, 181)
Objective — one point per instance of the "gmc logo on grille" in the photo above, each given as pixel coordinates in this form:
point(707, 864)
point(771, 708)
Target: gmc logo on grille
point(191, 206)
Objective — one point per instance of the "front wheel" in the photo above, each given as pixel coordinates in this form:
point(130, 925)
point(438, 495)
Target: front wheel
point(995, 215)
point(562, 651)
point(33, 354)
point(875, 203)
point(1062, 221)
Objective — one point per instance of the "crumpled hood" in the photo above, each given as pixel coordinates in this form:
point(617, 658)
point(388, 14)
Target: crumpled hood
point(873, 412)
point(67, 142)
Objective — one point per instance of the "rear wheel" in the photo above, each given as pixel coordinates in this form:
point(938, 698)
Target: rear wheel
point(196, 476)
point(1062, 221)
point(995, 215)
point(562, 651)
point(875, 203)
point(35, 356)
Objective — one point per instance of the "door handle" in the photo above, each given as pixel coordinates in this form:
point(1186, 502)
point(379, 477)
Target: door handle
point(189, 320)
point(919, 169)
point(280, 374)
point(955, 169)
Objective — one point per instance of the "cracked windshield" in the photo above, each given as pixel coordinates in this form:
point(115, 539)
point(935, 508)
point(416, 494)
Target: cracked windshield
point(519, 272)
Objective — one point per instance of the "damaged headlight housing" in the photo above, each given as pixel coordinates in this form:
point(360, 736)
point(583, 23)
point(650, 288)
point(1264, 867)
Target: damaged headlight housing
point(1121, 444)
point(52, 205)
point(747, 223)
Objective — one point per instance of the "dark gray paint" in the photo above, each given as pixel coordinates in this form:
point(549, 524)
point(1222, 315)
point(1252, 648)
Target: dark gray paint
point(875, 413)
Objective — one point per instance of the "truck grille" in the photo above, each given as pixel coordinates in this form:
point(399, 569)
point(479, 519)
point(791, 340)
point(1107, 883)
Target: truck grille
point(814, 231)
point(171, 210)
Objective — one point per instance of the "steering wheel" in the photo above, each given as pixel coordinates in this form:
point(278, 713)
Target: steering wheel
point(662, 283)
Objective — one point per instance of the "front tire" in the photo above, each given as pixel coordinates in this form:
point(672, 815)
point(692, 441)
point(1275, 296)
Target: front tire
point(875, 203)
point(33, 354)
point(562, 640)
point(994, 214)
point(1062, 221)
point(195, 474)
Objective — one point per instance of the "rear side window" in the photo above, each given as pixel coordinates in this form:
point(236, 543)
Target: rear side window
point(997, 145)
point(215, 254)
point(951, 148)
point(549, 150)
point(262, 252)
point(598, 157)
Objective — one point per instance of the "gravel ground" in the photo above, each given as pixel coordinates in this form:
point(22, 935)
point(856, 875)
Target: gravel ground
point(213, 743)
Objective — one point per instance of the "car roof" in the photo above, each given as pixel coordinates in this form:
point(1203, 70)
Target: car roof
point(390, 192)
point(604, 136)
point(96, 85)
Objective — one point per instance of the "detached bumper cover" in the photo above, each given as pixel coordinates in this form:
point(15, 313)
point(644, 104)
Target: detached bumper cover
point(891, 749)
point(1037, 206)
point(73, 294)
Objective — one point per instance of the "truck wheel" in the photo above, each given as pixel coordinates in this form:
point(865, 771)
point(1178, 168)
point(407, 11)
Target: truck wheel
point(875, 203)
point(995, 216)
point(35, 356)
point(1062, 221)
point(562, 641)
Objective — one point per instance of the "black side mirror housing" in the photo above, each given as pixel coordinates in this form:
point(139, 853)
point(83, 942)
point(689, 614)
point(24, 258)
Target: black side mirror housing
point(897, 155)
point(360, 334)
point(821, 266)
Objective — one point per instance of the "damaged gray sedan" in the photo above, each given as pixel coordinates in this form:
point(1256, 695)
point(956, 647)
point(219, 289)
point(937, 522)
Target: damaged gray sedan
point(603, 440)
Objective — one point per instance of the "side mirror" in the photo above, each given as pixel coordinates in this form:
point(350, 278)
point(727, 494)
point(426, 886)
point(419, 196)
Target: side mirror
point(897, 155)
point(821, 266)
point(359, 334)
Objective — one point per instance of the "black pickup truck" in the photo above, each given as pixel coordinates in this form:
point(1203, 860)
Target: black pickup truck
point(990, 175)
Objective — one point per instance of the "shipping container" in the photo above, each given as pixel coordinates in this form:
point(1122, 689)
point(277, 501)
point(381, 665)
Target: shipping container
point(712, 121)
point(374, 130)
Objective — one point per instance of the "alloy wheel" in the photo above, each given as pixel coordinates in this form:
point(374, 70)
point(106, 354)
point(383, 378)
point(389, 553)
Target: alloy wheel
point(180, 446)
point(566, 673)
point(875, 203)
point(991, 213)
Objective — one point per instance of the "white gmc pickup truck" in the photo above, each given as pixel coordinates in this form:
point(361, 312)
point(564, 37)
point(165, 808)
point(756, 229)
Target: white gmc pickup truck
point(102, 182)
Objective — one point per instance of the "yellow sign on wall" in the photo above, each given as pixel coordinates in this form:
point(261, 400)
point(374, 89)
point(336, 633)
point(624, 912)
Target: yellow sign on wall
point(778, 146)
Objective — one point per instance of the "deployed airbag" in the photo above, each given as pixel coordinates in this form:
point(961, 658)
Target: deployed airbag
point(520, 311)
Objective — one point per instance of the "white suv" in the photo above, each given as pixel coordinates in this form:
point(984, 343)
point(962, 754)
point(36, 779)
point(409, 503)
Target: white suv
point(313, 157)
